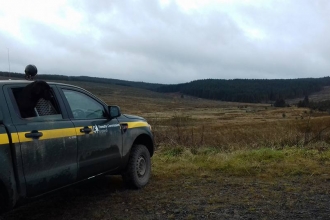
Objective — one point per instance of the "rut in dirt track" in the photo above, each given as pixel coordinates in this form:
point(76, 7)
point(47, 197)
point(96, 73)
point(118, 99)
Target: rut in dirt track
point(201, 197)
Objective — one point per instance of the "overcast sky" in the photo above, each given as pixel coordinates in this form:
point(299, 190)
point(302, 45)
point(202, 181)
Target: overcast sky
point(167, 41)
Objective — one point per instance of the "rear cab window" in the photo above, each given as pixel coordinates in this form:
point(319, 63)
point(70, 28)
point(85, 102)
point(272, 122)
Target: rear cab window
point(45, 110)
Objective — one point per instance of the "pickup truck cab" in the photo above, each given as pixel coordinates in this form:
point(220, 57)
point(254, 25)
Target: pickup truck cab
point(73, 136)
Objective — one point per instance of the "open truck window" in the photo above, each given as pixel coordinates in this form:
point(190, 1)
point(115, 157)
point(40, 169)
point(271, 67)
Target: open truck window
point(43, 110)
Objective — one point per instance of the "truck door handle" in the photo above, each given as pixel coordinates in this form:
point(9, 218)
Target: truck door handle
point(34, 134)
point(85, 130)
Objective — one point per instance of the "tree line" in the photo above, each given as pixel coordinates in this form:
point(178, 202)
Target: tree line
point(248, 90)
point(235, 90)
point(142, 85)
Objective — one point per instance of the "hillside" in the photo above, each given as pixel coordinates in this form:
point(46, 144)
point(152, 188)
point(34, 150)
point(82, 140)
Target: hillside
point(249, 90)
point(144, 102)
point(142, 85)
point(320, 96)
point(236, 90)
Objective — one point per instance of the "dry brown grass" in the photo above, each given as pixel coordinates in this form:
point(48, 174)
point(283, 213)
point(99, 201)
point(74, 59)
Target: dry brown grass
point(232, 129)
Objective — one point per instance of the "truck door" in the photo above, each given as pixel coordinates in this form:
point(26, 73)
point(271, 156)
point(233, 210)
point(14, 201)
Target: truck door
point(47, 141)
point(6, 165)
point(99, 139)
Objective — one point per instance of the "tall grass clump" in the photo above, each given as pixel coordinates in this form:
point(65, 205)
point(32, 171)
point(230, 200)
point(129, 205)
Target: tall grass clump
point(263, 162)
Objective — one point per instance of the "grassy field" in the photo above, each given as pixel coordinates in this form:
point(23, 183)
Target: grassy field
point(214, 160)
point(236, 138)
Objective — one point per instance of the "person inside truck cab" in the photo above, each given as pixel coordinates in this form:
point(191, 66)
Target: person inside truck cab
point(36, 98)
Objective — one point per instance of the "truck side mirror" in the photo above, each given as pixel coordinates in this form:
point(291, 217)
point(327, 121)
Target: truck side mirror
point(114, 111)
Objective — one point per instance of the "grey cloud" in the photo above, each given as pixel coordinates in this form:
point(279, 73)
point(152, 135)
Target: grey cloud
point(141, 41)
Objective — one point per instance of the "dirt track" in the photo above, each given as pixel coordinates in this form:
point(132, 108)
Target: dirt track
point(202, 197)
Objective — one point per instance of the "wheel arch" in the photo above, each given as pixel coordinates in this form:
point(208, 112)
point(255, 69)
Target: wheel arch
point(145, 140)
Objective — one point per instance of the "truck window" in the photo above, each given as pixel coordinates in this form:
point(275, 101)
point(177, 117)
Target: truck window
point(44, 109)
point(84, 107)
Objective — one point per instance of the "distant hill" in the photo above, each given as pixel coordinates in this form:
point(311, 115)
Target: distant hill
point(142, 85)
point(249, 90)
point(236, 90)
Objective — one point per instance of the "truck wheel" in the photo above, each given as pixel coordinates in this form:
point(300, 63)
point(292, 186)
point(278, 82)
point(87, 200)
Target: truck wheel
point(138, 169)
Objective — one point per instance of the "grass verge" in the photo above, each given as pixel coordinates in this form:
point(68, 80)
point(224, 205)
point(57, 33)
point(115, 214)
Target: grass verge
point(264, 162)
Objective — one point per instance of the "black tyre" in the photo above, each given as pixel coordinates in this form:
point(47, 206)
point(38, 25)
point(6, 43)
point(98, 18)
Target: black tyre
point(138, 169)
point(3, 204)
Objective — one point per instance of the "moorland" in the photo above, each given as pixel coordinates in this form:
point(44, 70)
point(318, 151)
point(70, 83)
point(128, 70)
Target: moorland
point(213, 160)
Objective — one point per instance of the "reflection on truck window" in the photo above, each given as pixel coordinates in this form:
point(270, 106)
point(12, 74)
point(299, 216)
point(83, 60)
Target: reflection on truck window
point(33, 106)
point(83, 106)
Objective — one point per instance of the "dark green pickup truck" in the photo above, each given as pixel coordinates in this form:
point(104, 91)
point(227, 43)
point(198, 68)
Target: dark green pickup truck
point(72, 136)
